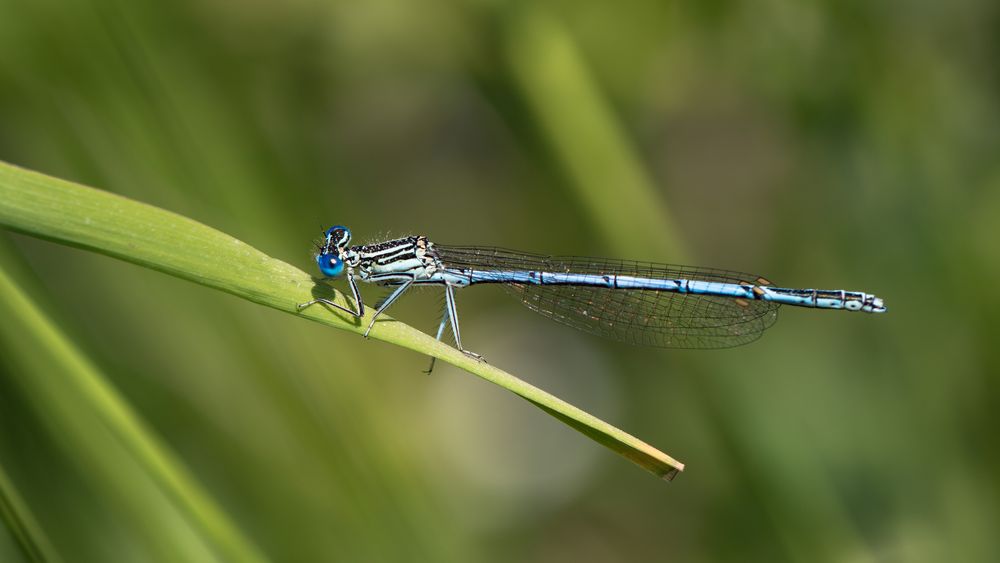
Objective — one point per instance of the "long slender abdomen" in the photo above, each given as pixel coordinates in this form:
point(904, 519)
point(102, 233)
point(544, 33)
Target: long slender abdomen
point(815, 298)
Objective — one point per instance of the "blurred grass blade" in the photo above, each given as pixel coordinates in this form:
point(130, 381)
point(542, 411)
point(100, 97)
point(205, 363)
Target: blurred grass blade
point(80, 407)
point(28, 535)
point(606, 174)
point(54, 209)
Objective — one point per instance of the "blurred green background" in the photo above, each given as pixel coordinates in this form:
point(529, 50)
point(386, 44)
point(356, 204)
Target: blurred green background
point(823, 144)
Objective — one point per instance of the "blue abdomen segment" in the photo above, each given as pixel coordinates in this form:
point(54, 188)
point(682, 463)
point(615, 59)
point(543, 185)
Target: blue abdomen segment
point(814, 298)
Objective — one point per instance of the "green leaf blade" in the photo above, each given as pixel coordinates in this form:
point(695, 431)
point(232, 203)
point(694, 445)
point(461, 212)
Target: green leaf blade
point(68, 213)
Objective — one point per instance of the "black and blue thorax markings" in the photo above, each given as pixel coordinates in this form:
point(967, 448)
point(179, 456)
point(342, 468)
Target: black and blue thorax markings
point(395, 260)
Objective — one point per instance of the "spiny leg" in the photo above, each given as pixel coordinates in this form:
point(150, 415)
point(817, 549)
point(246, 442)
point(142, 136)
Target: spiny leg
point(360, 312)
point(449, 298)
point(388, 301)
point(444, 321)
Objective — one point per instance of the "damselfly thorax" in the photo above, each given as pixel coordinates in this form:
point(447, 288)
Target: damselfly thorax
point(394, 262)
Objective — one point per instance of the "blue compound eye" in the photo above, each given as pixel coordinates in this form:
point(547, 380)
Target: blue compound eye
point(330, 265)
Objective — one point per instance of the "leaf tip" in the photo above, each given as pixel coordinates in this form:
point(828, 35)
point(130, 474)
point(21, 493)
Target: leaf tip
point(673, 472)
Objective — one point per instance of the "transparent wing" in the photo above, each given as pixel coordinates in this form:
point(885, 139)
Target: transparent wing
point(645, 317)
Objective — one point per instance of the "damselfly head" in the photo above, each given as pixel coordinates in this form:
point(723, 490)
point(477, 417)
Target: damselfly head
point(331, 251)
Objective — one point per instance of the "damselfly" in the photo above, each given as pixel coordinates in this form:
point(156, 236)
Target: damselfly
point(635, 302)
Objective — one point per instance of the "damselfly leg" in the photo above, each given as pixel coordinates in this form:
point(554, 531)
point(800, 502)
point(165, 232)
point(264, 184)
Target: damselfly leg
point(388, 301)
point(444, 321)
point(451, 314)
point(449, 300)
point(358, 303)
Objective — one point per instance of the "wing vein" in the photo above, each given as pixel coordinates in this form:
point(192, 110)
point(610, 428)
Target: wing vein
point(636, 316)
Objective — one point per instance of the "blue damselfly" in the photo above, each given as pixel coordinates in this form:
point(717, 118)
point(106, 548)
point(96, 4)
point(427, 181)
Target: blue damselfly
point(635, 302)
